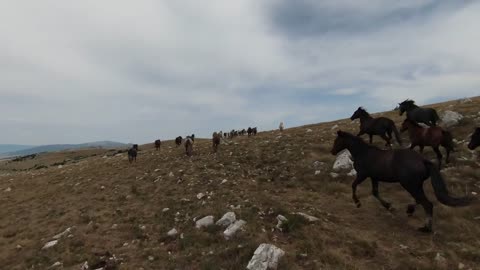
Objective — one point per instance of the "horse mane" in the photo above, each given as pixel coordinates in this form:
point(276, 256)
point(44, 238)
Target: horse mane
point(363, 111)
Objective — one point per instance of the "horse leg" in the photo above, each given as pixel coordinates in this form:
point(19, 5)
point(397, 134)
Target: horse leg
point(371, 138)
point(375, 193)
point(421, 148)
point(415, 188)
point(439, 156)
point(355, 183)
point(388, 143)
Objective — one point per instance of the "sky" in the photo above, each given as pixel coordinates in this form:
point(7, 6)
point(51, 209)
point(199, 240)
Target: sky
point(135, 71)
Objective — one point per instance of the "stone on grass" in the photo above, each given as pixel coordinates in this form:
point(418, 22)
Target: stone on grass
point(343, 161)
point(451, 118)
point(50, 244)
point(205, 222)
point(308, 217)
point(234, 228)
point(227, 219)
point(266, 257)
point(172, 233)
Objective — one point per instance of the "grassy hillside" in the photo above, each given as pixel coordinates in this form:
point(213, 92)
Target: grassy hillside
point(120, 210)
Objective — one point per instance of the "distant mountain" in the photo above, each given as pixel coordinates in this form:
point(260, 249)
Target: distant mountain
point(59, 147)
point(6, 148)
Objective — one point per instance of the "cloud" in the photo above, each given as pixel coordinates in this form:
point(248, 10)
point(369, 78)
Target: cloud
point(135, 71)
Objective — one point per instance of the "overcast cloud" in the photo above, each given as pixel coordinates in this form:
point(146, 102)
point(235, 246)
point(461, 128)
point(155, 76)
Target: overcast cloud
point(134, 71)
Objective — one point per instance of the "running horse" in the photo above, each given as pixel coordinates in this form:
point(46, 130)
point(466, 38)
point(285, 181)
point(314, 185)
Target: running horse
point(380, 126)
point(475, 140)
point(427, 116)
point(158, 143)
point(404, 166)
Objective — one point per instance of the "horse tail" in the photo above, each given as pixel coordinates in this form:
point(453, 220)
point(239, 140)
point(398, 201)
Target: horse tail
point(440, 189)
point(397, 134)
point(447, 140)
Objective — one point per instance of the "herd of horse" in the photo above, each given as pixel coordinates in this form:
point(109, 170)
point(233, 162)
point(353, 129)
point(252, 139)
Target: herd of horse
point(405, 166)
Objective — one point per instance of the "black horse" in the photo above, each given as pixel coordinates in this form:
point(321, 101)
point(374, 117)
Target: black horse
point(178, 141)
point(380, 126)
point(254, 130)
point(427, 116)
point(158, 143)
point(132, 154)
point(475, 141)
point(405, 166)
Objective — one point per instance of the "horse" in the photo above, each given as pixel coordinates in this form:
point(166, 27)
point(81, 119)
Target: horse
point(405, 166)
point(427, 116)
point(475, 140)
point(254, 130)
point(157, 144)
point(132, 154)
point(280, 127)
point(249, 131)
point(380, 126)
point(135, 146)
point(216, 141)
point(189, 146)
point(178, 141)
point(432, 136)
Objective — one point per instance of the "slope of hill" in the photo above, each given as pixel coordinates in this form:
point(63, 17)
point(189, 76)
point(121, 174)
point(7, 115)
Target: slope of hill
point(123, 211)
point(60, 147)
point(8, 148)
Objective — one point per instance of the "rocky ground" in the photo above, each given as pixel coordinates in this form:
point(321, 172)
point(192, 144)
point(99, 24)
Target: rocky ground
point(67, 210)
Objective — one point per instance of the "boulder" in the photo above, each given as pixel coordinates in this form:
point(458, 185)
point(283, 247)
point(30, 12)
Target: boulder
point(234, 228)
point(343, 161)
point(266, 257)
point(227, 220)
point(451, 118)
point(205, 222)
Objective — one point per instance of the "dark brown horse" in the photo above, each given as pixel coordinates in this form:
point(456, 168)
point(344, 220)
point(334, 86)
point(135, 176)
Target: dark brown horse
point(216, 141)
point(405, 166)
point(380, 126)
point(178, 141)
point(475, 140)
point(157, 144)
point(432, 136)
point(189, 146)
point(132, 154)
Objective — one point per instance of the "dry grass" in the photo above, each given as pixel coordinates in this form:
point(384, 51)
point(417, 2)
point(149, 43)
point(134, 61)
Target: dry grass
point(117, 207)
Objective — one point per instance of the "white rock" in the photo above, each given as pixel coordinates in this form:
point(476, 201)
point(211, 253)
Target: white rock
point(233, 229)
point(157, 170)
point(205, 222)
point(84, 266)
point(172, 233)
point(334, 175)
point(440, 261)
point(343, 161)
point(318, 172)
point(60, 235)
point(151, 258)
point(165, 210)
point(9, 189)
point(335, 127)
point(227, 219)
point(265, 257)
point(171, 174)
point(309, 130)
point(224, 181)
point(353, 172)
point(466, 100)
point(281, 220)
point(60, 166)
point(55, 265)
point(308, 217)
point(50, 244)
point(200, 196)
point(451, 118)
point(461, 266)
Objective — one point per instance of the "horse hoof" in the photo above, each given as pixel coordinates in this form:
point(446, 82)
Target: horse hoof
point(425, 229)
